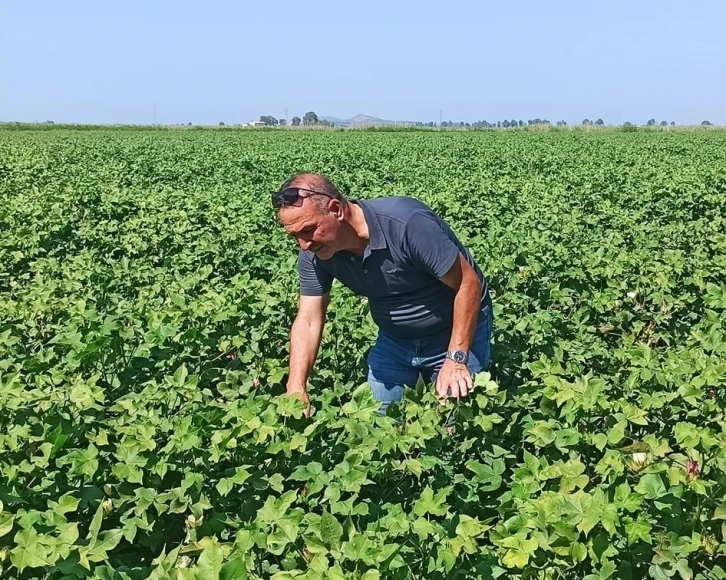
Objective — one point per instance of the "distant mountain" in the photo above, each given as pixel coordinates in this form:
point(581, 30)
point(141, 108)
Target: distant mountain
point(362, 121)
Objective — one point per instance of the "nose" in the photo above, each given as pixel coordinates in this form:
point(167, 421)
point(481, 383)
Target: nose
point(304, 244)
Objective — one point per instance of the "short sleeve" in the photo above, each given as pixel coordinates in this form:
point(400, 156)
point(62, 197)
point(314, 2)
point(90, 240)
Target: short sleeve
point(428, 245)
point(314, 279)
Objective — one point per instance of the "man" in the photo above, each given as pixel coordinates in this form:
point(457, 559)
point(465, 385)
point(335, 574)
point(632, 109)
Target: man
point(426, 294)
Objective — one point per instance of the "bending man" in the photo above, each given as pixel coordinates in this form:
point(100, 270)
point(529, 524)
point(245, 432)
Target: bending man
point(426, 293)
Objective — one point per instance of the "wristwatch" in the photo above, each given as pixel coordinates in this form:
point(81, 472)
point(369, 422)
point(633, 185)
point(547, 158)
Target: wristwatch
point(458, 356)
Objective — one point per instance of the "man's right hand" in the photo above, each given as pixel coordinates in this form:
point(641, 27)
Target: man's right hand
point(304, 343)
point(302, 394)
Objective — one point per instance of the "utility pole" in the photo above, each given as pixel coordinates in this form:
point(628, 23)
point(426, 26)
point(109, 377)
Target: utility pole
point(440, 117)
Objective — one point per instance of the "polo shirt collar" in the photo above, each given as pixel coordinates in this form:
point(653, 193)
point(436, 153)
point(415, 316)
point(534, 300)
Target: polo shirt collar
point(376, 241)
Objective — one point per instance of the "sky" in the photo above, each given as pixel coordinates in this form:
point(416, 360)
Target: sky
point(80, 61)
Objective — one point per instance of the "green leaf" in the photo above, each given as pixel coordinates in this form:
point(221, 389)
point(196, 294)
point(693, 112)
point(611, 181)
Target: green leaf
point(600, 440)
point(105, 542)
point(209, 564)
point(519, 550)
point(84, 462)
point(469, 527)
point(607, 570)
point(531, 462)
point(432, 504)
point(658, 573)
point(6, 523)
point(638, 530)
point(684, 569)
point(331, 531)
point(578, 551)
point(298, 441)
point(95, 526)
point(590, 519)
point(718, 514)
point(130, 465)
point(235, 568)
point(651, 486)
point(28, 553)
point(488, 476)
point(180, 375)
point(617, 432)
point(224, 486)
point(609, 518)
point(687, 435)
point(66, 504)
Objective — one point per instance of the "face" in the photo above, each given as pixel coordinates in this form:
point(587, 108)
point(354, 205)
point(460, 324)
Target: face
point(313, 229)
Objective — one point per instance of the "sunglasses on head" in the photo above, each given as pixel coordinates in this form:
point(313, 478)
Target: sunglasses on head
point(291, 196)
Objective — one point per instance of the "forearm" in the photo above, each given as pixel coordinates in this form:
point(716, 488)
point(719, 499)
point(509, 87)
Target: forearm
point(467, 303)
point(304, 343)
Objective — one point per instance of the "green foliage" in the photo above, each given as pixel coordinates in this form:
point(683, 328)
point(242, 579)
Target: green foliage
point(146, 294)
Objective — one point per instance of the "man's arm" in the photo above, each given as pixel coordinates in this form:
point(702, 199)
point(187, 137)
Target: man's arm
point(431, 248)
point(461, 278)
point(305, 335)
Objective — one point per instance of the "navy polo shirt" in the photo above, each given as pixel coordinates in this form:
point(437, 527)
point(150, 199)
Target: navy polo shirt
point(409, 249)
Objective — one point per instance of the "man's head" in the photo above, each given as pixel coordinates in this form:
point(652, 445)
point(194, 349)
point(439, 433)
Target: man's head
point(314, 212)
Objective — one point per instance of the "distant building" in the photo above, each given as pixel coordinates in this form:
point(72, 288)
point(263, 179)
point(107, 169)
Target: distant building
point(255, 124)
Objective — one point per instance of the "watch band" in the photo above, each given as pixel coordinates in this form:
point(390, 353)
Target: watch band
point(458, 356)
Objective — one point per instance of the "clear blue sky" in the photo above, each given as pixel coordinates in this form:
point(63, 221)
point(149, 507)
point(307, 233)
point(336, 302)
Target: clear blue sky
point(220, 60)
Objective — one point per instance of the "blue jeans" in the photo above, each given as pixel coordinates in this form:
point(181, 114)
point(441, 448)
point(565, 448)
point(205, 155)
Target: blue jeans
point(396, 363)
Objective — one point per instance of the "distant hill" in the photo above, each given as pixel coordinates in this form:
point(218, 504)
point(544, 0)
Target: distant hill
point(363, 121)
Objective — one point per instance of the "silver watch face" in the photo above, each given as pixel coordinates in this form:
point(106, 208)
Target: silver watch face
point(458, 356)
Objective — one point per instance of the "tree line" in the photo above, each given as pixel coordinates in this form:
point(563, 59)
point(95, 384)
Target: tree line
point(310, 118)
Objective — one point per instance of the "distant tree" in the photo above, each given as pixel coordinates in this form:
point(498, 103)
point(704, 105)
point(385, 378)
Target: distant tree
point(673, 123)
point(221, 123)
point(599, 122)
point(586, 122)
point(505, 124)
point(707, 123)
point(268, 120)
point(521, 123)
point(664, 123)
point(295, 121)
point(499, 124)
point(282, 122)
point(651, 122)
point(310, 118)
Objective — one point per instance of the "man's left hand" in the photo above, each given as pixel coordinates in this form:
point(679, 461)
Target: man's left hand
point(453, 380)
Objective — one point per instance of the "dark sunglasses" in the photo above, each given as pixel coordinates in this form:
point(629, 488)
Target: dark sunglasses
point(291, 196)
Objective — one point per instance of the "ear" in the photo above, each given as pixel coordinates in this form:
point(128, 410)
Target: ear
point(336, 207)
